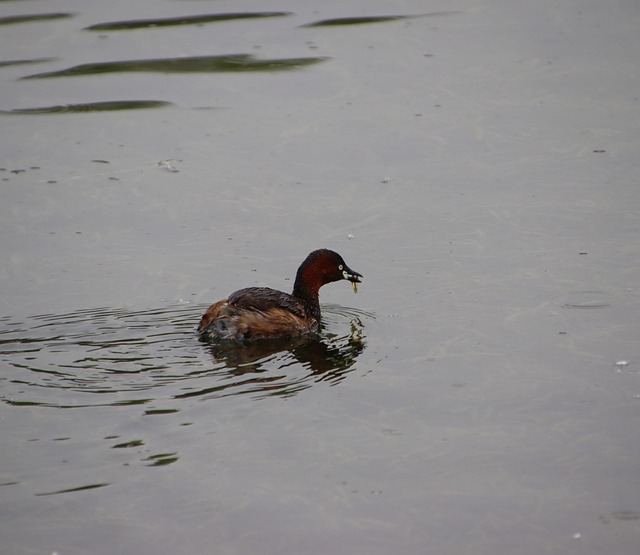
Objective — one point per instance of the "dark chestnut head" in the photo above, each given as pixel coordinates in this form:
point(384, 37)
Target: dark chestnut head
point(321, 267)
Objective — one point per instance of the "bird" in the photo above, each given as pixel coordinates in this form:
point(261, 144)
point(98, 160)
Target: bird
point(259, 313)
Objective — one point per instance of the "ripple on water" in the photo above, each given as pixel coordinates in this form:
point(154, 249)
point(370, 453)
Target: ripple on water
point(107, 106)
point(588, 300)
point(115, 357)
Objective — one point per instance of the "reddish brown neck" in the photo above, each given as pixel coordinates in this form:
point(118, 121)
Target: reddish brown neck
point(306, 288)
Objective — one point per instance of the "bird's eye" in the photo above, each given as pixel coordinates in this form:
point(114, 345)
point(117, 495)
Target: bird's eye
point(340, 267)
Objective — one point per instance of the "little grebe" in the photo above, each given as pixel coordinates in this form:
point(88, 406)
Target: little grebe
point(265, 313)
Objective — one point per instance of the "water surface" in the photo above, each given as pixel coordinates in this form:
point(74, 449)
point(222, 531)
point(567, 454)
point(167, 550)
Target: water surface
point(477, 162)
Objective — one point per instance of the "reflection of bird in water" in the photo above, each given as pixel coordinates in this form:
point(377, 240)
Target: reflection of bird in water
point(319, 355)
point(257, 313)
point(249, 367)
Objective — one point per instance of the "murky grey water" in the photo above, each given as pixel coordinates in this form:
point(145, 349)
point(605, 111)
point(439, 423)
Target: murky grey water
point(478, 164)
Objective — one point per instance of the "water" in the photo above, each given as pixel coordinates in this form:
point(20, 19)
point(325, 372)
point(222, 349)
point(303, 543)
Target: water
point(477, 162)
point(115, 357)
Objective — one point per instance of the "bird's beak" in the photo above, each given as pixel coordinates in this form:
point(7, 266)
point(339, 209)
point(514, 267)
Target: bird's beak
point(354, 277)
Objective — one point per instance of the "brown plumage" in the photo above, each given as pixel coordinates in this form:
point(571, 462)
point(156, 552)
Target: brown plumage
point(264, 313)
